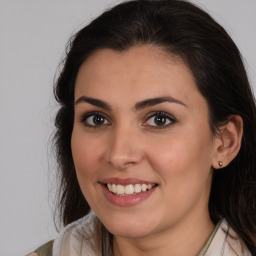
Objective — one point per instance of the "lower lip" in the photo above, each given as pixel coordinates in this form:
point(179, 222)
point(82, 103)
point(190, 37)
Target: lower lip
point(127, 200)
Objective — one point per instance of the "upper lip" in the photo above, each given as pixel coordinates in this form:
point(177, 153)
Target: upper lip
point(125, 181)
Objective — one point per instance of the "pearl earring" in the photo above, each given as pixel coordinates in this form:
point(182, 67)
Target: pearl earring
point(220, 164)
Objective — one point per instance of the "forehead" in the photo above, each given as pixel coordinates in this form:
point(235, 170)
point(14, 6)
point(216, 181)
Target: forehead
point(143, 72)
point(139, 58)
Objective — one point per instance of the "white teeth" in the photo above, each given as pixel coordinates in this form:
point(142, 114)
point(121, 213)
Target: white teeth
point(119, 189)
point(128, 189)
point(150, 186)
point(113, 188)
point(137, 188)
point(144, 187)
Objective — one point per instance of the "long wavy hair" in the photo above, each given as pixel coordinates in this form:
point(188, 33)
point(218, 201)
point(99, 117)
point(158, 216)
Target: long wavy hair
point(183, 29)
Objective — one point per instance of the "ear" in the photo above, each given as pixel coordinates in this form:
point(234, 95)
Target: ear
point(228, 142)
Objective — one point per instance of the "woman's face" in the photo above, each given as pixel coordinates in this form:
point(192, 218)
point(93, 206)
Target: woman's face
point(141, 124)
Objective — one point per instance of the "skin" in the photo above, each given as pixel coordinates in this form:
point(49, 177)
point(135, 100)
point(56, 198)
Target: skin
point(178, 156)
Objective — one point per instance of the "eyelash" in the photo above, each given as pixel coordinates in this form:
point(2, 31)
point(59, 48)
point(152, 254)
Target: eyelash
point(84, 120)
point(161, 114)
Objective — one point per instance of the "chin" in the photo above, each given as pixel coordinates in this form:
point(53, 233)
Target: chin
point(129, 233)
point(129, 227)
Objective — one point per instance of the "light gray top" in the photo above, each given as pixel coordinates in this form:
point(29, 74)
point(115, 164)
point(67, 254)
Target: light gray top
point(79, 239)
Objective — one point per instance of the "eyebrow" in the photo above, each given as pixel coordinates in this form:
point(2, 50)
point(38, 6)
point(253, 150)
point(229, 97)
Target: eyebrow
point(138, 106)
point(93, 101)
point(154, 101)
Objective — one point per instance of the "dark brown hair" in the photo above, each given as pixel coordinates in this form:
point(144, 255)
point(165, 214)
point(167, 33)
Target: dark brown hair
point(183, 29)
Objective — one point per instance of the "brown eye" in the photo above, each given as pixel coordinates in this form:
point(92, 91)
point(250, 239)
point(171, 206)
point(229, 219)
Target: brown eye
point(95, 120)
point(98, 120)
point(159, 120)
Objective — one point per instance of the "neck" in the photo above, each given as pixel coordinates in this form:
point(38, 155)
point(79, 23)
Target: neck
point(183, 239)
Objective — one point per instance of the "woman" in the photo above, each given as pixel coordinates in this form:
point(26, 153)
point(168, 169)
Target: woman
point(156, 136)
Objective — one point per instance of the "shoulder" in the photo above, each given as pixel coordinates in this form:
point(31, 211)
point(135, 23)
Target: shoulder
point(44, 250)
point(234, 244)
point(65, 237)
point(82, 237)
point(227, 242)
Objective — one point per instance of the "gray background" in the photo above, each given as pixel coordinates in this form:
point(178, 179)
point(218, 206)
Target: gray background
point(33, 37)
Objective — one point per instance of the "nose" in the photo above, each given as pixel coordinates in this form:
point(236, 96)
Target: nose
point(124, 150)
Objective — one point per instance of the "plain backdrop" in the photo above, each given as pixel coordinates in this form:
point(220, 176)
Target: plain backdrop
point(33, 35)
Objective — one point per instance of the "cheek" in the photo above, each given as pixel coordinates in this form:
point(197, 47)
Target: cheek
point(183, 165)
point(86, 156)
point(182, 157)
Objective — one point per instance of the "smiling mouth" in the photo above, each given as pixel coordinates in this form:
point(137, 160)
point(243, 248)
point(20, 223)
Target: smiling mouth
point(130, 189)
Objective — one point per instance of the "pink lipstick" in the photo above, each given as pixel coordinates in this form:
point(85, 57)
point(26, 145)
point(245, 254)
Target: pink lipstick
point(127, 192)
